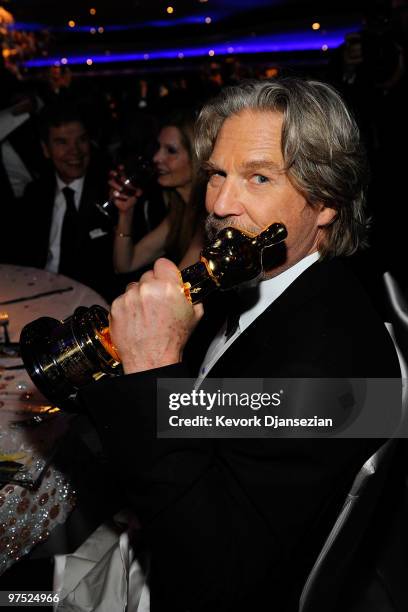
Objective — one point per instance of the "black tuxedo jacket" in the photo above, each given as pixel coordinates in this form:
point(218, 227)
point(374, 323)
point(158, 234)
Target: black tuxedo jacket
point(94, 265)
point(25, 143)
point(236, 524)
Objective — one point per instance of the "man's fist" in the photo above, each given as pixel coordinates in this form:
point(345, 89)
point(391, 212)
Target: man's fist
point(152, 321)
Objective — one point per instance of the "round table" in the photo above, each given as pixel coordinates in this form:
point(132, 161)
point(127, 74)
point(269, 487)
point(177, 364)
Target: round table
point(38, 496)
point(17, 282)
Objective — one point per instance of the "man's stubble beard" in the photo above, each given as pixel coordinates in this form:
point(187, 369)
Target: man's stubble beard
point(213, 225)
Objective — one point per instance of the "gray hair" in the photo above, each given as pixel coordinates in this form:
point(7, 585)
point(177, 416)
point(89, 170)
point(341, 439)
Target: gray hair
point(321, 147)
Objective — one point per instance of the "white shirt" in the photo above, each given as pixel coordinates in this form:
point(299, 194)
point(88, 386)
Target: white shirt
point(14, 166)
point(269, 291)
point(58, 213)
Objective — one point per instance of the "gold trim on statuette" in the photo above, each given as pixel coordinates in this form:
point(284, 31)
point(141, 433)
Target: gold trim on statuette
point(187, 291)
point(210, 272)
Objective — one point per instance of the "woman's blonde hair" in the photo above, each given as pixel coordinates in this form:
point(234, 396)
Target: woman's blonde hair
point(185, 217)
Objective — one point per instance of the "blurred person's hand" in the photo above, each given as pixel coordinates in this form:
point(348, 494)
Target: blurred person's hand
point(123, 195)
point(28, 104)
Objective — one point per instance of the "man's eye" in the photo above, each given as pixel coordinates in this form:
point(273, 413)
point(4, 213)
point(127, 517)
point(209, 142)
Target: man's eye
point(214, 178)
point(260, 179)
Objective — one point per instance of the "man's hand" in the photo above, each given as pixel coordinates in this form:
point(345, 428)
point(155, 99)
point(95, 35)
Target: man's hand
point(152, 321)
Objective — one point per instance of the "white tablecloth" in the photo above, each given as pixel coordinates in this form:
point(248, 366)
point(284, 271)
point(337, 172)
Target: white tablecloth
point(17, 281)
point(28, 515)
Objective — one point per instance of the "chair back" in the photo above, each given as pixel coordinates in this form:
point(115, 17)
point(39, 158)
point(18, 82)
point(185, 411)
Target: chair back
point(332, 565)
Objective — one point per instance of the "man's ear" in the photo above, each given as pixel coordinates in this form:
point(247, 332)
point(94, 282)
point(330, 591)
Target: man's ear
point(46, 150)
point(326, 216)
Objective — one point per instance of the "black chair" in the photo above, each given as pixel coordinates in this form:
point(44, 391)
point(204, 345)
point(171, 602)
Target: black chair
point(363, 565)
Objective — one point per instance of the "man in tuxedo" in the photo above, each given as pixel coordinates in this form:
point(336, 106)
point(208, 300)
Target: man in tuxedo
point(71, 236)
point(236, 524)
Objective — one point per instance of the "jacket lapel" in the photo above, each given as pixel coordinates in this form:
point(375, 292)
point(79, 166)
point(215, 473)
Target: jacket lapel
point(268, 330)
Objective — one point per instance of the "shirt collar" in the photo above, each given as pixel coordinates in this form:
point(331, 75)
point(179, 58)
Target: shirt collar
point(75, 185)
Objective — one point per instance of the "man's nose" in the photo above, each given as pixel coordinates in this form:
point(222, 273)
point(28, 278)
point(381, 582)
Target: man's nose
point(227, 199)
point(74, 148)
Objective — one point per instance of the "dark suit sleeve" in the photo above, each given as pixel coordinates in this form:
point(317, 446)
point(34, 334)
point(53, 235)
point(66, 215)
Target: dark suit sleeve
point(194, 517)
point(33, 214)
point(124, 412)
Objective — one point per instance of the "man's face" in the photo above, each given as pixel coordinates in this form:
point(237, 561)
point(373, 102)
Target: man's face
point(249, 189)
point(69, 149)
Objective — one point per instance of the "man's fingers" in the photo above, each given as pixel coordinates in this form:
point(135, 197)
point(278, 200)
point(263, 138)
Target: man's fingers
point(146, 277)
point(164, 269)
point(198, 311)
point(131, 286)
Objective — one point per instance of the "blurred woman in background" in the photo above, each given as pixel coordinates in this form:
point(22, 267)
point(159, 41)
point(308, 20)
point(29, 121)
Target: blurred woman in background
point(180, 234)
